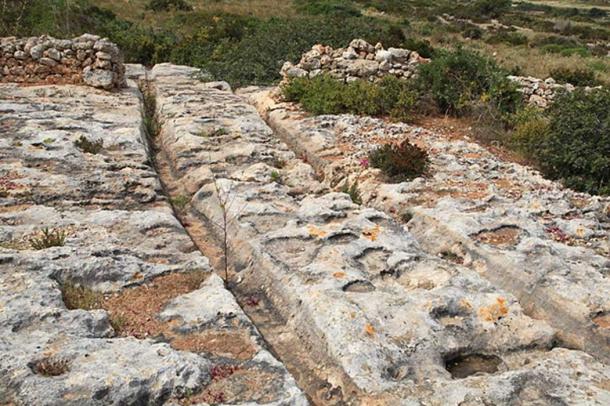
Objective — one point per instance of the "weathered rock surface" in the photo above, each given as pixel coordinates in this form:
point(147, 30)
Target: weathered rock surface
point(388, 322)
point(546, 245)
point(124, 346)
point(87, 59)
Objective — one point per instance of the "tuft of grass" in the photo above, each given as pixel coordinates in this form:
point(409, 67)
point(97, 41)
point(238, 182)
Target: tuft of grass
point(400, 162)
point(80, 297)
point(48, 238)
point(118, 323)
point(353, 192)
point(150, 118)
point(276, 177)
point(180, 202)
point(90, 147)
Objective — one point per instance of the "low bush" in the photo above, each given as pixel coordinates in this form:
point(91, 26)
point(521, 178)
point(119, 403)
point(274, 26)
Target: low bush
point(511, 38)
point(530, 131)
point(400, 162)
point(167, 5)
point(490, 8)
point(577, 77)
point(577, 147)
point(325, 95)
point(327, 7)
point(566, 51)
point(456, 79)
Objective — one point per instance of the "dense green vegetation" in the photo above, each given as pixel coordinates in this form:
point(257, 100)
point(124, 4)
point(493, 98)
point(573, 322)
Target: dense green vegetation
point(575, 145)
point(325, 95)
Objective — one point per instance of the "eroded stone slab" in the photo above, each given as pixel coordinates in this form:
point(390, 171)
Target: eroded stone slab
point(545, 244)
point(383, 317)
point(77, 323)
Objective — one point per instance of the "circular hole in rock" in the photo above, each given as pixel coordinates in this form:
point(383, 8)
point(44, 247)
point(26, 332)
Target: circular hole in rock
point(463, 366)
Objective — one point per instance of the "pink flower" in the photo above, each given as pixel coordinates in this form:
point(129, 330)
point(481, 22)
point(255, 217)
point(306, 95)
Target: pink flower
point(364, 162)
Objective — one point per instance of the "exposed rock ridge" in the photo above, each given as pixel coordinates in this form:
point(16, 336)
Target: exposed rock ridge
point(547, 245)
point(121, 240)
point(87, 59)
point(383, 317)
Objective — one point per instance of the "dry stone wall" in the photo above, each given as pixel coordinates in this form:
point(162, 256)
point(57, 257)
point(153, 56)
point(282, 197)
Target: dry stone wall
point(87, 59)
point(360, 60)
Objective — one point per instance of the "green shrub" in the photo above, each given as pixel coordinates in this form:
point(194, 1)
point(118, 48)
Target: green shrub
point(325, 95)
point(457, 79)
point(400, 162)
point(491, 8)
point(577, 148)
point(352, 191)
point(577, 77)
point(327, 7)
point(506, 37)
point(167, 5)
point(531, 129)
point(422, 47)
point(472, 31)
point(566, 51)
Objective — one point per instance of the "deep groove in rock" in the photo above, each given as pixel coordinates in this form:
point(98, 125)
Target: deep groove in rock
point(280, 341)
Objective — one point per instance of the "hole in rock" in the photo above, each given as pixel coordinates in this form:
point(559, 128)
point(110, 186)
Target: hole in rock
point(463, 366)
point(504, 236)
point(359, 286)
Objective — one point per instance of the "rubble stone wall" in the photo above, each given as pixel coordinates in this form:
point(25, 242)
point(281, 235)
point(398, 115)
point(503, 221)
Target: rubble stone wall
point(539, 92)
point(87, 59)
point(360, 60)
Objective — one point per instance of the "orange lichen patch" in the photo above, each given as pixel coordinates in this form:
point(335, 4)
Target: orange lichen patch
point(372, 233)
point(230, 343)
point(603, 320)
point(472, 155)
point(339, 275)
point(136, 308)
point(504, 236)
point(238, 385)
point(316, 232)
point(369, 329)
point(495, 311)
